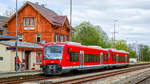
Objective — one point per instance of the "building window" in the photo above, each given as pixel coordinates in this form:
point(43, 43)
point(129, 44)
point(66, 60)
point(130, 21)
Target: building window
point(55, 38)
point(67, 38)
point(60, 38)
point(1, 58)
point(38, 58)
point(38, 38)
point(32, 21)
point(20, 37)
point(63, 38)
point(25, 21)
point(29, 21)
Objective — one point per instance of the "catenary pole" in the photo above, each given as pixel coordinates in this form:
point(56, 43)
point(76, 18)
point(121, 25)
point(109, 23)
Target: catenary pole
point(114, 33)
point(70, 19)
point(16, 35)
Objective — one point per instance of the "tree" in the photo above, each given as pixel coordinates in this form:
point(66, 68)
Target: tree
point(86, 34)
point(144, 52)
point(104, 37)
point(132, 54)
point(121, 45)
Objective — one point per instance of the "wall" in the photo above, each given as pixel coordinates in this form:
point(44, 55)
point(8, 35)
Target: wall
point(6, 63)
point(42, 26)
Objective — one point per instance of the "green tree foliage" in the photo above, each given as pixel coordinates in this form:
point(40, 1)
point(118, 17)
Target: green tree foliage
point(144, 53)
point(121, 45)
point(86, 34)
point(132, 54)
point(104, 37)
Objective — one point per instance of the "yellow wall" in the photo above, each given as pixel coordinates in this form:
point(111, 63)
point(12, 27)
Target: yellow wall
point(5, 65)
point(8, 63)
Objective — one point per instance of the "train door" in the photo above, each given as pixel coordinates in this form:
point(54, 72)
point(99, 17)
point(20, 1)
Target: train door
point(81, 58)
point(114, 58)
point(126, 59)
point(101, 57)
point(117, 57)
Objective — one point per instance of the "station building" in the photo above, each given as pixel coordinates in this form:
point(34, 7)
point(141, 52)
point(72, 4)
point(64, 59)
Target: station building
point(36, 23)
point(28, 53)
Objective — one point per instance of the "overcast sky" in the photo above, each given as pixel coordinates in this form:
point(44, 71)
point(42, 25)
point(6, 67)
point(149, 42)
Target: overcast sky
point(133, 16)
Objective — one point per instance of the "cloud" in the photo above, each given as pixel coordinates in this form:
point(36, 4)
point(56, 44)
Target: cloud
point(133, 15)
point(3, 7)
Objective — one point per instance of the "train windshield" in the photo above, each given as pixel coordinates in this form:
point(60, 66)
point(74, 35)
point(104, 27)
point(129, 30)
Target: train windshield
point(53, 51)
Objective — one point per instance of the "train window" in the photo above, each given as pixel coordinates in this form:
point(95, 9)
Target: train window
point(108, 52)
point(114, 57)
point(105, 57)
point(127, 57)
point(121, 58)
point(67, 51)
point(91, 58)
point(74, 56)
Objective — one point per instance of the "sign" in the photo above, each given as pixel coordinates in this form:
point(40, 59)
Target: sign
point(28, 28)
point(11, 48)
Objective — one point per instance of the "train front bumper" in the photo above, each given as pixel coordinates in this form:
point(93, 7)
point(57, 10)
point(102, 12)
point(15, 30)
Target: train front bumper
point(51, 69)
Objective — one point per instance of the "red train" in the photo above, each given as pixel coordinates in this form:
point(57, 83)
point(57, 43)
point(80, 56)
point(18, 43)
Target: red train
point(59, 58)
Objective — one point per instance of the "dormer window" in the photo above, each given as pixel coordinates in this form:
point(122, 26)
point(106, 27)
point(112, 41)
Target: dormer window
point(28, 21)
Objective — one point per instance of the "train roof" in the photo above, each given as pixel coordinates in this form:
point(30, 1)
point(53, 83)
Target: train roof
point(79, 44)
point(115, 50)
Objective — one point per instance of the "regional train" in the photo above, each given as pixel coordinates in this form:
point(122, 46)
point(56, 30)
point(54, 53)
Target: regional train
point(62, 57)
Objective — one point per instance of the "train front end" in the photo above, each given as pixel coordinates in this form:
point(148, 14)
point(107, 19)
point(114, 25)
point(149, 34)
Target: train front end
point(51, 59)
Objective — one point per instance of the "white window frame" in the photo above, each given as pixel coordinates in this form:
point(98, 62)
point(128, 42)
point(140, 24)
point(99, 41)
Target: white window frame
point(29, 21)
point(37, 38)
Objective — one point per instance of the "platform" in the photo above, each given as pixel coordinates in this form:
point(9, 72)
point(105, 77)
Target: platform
point(20, 73)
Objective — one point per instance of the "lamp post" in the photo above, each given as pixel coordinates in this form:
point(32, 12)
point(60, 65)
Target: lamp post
point(16, 44)
point(70, 19)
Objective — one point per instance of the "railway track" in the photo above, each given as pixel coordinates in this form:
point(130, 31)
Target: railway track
point(99, 76)
point(21, 79)
point(143, 81)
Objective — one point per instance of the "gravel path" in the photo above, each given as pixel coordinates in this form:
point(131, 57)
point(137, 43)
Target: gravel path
point(125, 78)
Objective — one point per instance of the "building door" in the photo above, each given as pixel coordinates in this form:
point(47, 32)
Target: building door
point(101, 57)
point(27, 56)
